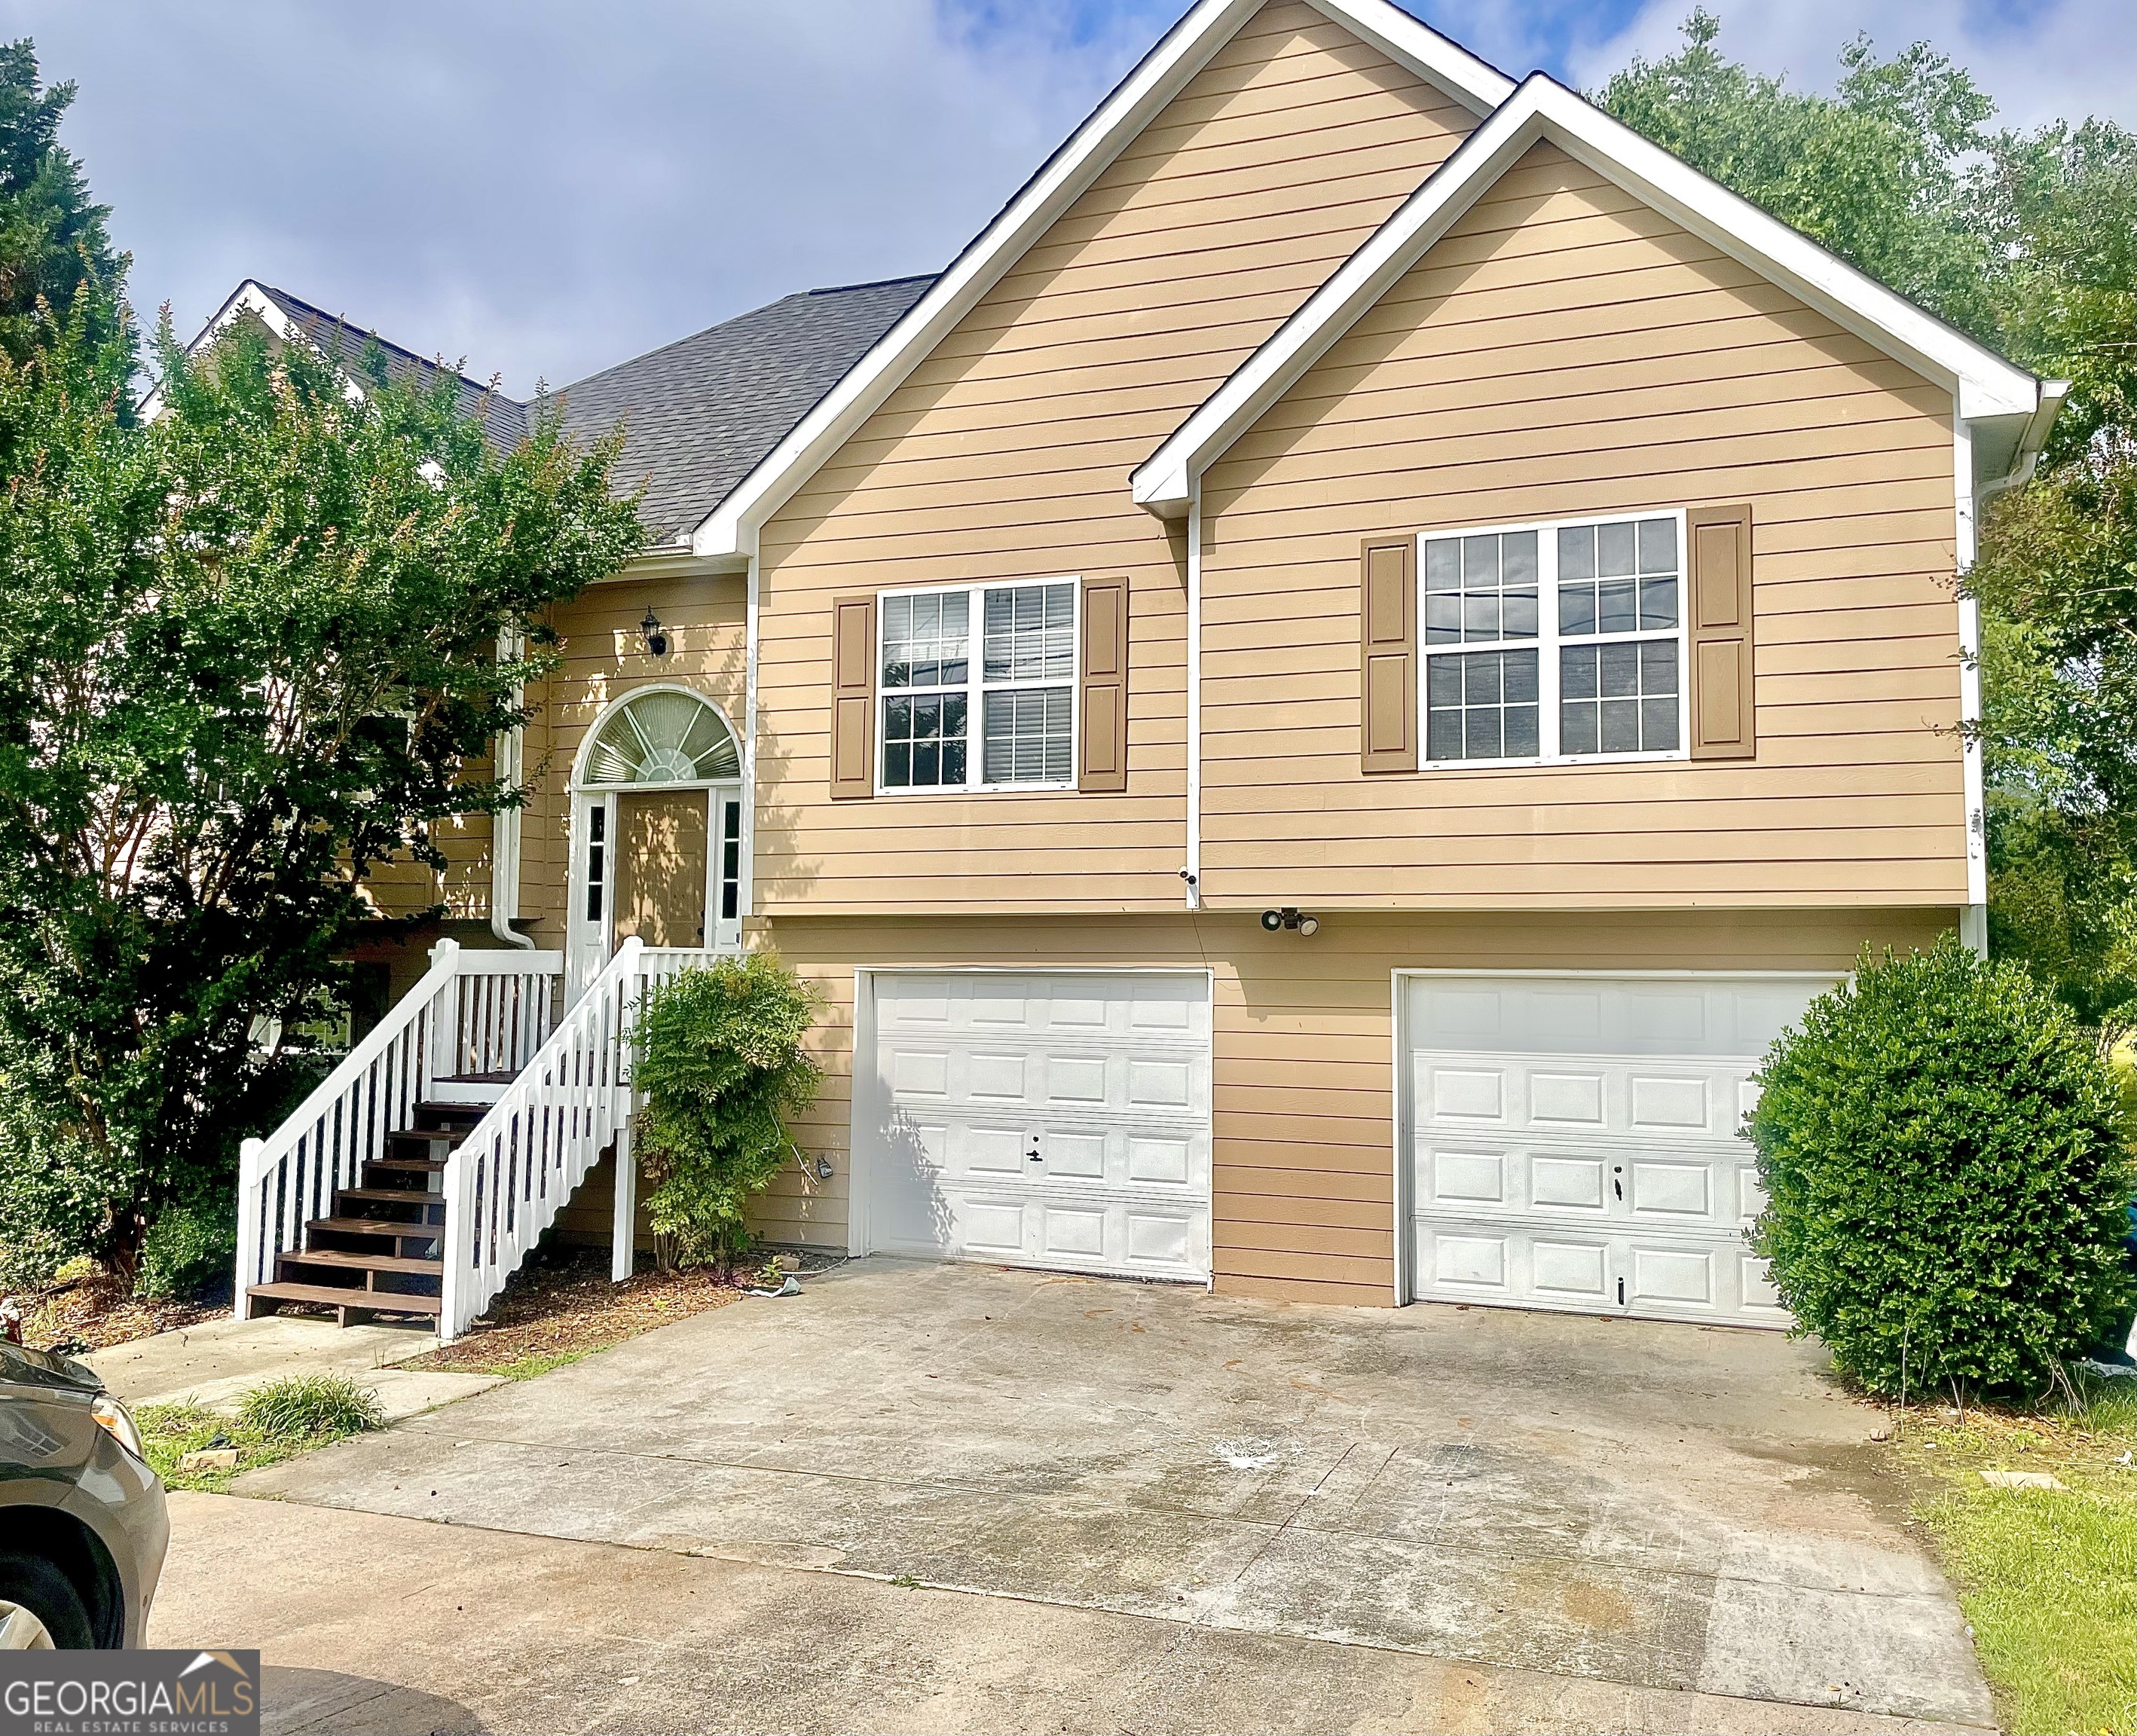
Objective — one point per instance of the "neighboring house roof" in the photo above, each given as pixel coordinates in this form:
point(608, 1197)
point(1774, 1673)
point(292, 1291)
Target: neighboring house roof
point(337, 336)
point(2010, 408)
point(730, 529)
point(698, 414)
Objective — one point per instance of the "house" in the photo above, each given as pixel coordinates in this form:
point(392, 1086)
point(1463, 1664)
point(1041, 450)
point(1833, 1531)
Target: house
point(1312, 704)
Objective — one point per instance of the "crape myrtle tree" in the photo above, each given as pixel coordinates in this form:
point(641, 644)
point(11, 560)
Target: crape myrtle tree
point(247, 652)
point(2028, 241)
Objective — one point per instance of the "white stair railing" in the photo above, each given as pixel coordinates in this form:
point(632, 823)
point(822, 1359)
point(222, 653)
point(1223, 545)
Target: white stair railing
point(507, 1181)
point(474, 1011)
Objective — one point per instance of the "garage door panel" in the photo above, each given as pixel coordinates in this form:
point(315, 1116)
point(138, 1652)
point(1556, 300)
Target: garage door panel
point(1533, 1266)
point(1720, 1015)
point(1575, 1142)
point(1067, 1118)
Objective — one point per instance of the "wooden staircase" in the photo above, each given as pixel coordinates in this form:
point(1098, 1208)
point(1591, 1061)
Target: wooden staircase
point(381, 1251)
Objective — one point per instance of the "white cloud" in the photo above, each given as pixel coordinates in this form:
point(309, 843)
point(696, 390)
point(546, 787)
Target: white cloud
point(2045, 61)
point(547, 187)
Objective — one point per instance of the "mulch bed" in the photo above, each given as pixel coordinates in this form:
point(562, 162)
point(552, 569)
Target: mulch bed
point(565, 1305)
point(92, 1312)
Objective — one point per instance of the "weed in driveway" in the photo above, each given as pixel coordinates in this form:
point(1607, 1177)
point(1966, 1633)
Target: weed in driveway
point(275, 1422)
point(299, 1406)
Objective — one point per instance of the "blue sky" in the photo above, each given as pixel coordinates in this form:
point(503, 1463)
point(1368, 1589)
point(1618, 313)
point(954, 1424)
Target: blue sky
point(547, 187)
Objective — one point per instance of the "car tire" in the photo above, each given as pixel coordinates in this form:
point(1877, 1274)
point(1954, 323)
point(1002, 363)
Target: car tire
point(49, 1595)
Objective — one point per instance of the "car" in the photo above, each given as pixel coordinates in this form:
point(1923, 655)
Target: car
point(83, 1527)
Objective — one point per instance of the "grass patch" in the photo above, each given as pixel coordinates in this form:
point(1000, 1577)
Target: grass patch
point(536, 1362)
point(2047, 1578)
point(276, 1421)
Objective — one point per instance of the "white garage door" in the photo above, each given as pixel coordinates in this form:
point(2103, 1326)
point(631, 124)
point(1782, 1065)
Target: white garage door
point(1053, 1120)
point(1574, 1140)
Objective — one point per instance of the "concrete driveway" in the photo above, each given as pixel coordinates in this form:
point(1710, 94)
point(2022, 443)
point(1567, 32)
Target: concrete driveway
point(1666, 1508)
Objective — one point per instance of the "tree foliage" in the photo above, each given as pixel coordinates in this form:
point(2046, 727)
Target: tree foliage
point(246, 653)
point(52, 237)
point(1877, 171)
point(2028, 241)
point(721, 1064)
point(1946, 1167)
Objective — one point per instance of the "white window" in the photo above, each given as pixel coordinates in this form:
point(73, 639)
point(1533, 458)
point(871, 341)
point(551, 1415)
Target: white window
point(1017, 696)
point(1555, 642)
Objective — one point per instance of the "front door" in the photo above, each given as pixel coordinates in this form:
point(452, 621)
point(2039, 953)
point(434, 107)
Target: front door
point(660, 864)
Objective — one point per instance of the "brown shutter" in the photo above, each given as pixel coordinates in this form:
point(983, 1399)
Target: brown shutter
point(1105, 684)
point(1387, 636)
point(1719, 570)
point(853, 698)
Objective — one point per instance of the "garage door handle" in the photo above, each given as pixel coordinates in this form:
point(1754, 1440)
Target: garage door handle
point(1617, 1186)
point(1032, 1154)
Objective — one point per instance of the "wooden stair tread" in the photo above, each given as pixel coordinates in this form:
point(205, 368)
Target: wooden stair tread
point(349, 1261)
point(329, 1295)
point(447, 1136)
point(378, 1226)
point(397, 1196)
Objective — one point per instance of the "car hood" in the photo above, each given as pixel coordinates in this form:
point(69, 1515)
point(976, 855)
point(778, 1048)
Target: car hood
point(22, 1366)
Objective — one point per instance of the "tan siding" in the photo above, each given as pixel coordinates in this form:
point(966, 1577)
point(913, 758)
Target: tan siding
point(1004, 455)
point(1304, 1115)
point(1565, 350)
point(604, 658)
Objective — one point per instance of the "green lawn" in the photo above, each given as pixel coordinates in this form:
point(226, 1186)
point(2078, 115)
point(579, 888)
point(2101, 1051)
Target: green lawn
point(2046, 1577)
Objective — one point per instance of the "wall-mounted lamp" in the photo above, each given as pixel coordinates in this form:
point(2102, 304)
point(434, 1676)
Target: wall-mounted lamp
point(1290, 917)
point(656, 640)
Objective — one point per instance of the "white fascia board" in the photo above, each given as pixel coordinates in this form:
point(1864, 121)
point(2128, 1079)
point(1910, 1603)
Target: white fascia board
point(249, 298)
point(1479, 86)
point(1983, 383)
point(730, 529)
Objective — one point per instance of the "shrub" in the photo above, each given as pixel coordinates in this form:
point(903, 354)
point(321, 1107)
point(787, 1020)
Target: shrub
point(1947, 1169)
point(187, 1249)
point(298, 1407)
point(720, 1064)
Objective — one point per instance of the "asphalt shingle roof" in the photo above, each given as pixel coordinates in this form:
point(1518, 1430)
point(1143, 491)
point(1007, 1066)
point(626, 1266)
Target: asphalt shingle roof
point(336, 335)
point(700, 413)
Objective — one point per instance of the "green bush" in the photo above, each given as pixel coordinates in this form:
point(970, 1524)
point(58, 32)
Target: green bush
point(1947, 1165)
point(298, 1407)
point(187, 1247)
point(720, 1065)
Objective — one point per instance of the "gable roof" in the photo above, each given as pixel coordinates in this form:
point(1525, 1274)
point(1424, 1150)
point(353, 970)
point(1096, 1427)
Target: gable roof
point(1988, 389)
point(698, 414)
point(729, 530)
point(335, 337)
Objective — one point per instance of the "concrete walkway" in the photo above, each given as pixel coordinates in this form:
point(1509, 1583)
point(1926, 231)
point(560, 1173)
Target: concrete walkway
point(1665, 1509)
point(377, 1626)
point(217, 1363)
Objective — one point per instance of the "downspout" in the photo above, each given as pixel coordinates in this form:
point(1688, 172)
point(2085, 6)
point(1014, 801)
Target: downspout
point(1192, 873)
point(504, 825)
point(1969, 497)
point(1974, 919)
point(746, 891)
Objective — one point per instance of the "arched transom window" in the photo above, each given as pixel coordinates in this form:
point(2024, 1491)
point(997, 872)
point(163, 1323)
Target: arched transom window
point(662, 737)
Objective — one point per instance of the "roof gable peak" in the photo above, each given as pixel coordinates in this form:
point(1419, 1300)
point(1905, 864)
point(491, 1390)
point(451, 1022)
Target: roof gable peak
point(730, 530)
point(1985, 386)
